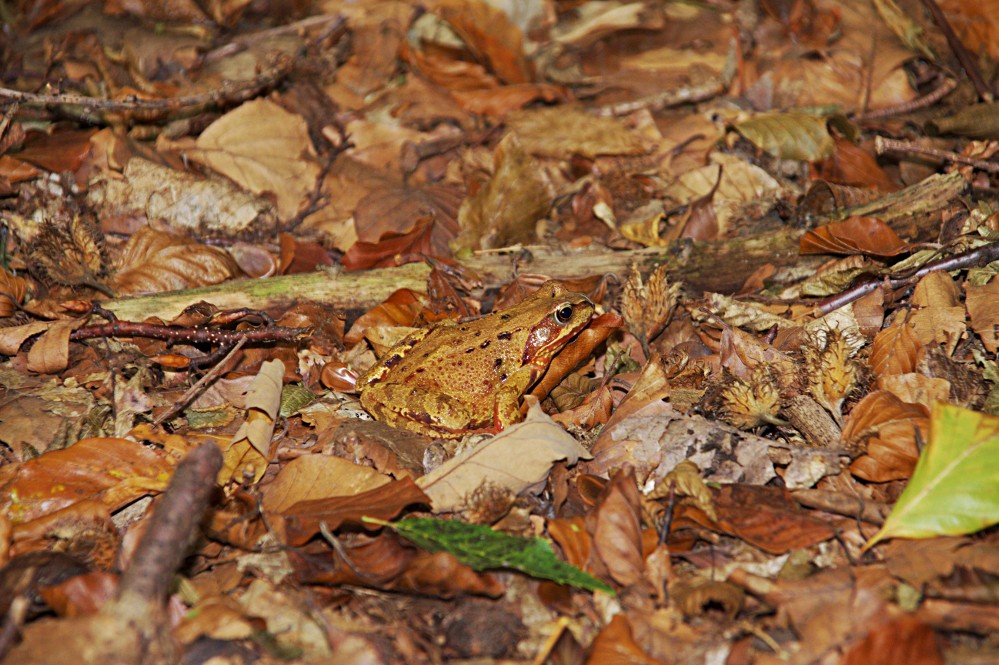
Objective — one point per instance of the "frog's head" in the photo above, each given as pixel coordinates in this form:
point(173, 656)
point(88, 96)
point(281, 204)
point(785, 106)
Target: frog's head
point(561, 315)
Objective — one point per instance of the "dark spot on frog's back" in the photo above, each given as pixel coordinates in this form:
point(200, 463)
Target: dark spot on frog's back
point(504, 335)
point(504, 317)
point(470, 349)
point(498, 363)
point(392, 360)
point(484, 345)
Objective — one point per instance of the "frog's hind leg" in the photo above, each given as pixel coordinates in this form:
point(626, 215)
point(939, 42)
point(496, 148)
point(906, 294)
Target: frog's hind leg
point(418, 410)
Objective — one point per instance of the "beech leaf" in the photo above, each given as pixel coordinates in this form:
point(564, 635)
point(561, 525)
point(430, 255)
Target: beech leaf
point(953, 488)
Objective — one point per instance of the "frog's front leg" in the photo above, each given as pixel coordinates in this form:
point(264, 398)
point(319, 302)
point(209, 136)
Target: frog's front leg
point(415, 409)
point(507, 409)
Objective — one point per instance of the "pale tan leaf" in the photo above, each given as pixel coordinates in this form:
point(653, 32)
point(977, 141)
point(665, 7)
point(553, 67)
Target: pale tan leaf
point(937, 289)
point(265, 149)
point(180, 200)
point(519, 459)
point(250, 450)
point(51, 352)
point(318, 477)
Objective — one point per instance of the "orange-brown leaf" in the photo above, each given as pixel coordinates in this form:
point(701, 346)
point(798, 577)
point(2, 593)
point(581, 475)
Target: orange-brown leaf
point(856, 235)
point(302, 521)
point(894, 351)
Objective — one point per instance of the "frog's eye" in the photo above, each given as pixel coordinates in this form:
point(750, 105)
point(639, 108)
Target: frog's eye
point(563, 313)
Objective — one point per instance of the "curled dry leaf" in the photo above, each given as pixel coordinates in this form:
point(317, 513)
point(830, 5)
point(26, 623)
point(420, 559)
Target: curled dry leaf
point(887, 427)
point(12, 290)
point(856, 235)
point(251, 448)
point(155, 261)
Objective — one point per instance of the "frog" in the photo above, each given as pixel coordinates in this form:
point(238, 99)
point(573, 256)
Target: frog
point(459, 377)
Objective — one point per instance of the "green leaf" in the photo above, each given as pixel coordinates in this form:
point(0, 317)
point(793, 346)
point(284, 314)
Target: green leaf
point(954, 489)
point(482, 548)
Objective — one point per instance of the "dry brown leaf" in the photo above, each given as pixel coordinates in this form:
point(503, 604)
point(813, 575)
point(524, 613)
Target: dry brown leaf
point(983, 309)
point(490, 35)
point(265, 149)
point(856, 235)
point(738, 188)
point(615, 644)
point(562, 132)
point(685, 479)
point(518, 458)
point(387, 562)
point(615, 525)
point(50, 353)
point(12, 290)
point(155, 261)
point(939, 325)
point(303, 520)
point(506, 209)
point(915, 388)
point(936, 289)
point(894, 350)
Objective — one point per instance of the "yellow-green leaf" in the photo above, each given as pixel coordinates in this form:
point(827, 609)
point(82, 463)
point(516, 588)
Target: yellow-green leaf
point(954, 489)
point(795, 135)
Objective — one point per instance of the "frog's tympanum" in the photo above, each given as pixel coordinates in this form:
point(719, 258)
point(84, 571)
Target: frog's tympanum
point(460, 377)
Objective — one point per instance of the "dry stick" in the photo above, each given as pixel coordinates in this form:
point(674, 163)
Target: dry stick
point(883, 145)
point(230, 91)
point(190, 393)
point(171, 530)
point(975, 257)
point(929, 99)
point(189, 335)
point(966, 59)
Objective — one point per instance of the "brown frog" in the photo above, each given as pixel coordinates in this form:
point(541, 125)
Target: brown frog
point(458, 377)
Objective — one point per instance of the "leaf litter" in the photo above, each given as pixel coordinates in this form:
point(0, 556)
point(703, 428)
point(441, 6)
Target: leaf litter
point(775, 441)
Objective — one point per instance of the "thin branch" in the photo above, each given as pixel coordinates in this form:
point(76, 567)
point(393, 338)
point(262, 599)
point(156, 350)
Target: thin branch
point(929, 99)
point(964, 56)
point(976, 257)
point(883, 145)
